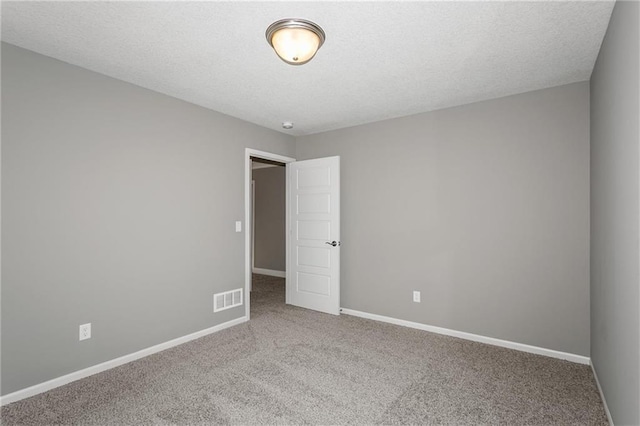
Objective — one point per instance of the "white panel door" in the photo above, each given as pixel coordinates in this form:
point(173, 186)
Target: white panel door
point(313, 274)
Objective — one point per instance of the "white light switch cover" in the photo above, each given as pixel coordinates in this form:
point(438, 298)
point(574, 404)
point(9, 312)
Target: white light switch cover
point(238, 226)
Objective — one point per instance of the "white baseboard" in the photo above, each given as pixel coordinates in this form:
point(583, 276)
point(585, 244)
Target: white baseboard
point(474, 337)
point(604, 401)
point(89, 371)
point(270, 272)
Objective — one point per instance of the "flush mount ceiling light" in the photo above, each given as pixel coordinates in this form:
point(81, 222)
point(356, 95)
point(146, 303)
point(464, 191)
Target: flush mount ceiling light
point(296, 41)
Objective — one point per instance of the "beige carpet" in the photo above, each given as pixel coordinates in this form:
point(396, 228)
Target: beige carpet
point(294, 366)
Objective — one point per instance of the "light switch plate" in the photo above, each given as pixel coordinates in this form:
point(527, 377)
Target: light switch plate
point(238, 226)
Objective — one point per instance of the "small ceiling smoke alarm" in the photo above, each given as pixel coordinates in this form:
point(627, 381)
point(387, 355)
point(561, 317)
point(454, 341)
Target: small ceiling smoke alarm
point(287, 125)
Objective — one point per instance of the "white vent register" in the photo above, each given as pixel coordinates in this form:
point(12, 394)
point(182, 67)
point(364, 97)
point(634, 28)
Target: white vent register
point(227, 300)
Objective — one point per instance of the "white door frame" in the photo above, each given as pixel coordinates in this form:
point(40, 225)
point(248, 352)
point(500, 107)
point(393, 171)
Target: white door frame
point(248, 153)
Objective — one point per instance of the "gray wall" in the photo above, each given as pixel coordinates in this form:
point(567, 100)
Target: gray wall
point(118, 208)
point(615, 232)
point(483, 208)
point(269, 243)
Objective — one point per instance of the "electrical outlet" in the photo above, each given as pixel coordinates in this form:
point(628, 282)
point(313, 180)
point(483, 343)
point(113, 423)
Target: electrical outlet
point(416, 296)
point(85, 331)
point(238, 226)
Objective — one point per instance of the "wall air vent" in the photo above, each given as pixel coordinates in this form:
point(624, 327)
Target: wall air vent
point(227, 300)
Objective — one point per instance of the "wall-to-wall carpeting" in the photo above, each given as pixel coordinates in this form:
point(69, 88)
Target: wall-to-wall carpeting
point(293, 366)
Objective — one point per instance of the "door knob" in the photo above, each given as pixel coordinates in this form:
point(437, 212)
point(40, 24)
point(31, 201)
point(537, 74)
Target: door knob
point(333, 243)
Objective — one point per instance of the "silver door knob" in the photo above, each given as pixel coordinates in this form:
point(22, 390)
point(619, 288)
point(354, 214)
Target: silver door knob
point(333, 243)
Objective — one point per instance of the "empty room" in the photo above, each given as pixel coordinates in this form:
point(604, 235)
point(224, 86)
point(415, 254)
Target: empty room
point(318, 212)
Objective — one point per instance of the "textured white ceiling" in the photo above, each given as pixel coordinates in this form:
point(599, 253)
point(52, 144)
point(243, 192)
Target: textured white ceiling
point(380, 60)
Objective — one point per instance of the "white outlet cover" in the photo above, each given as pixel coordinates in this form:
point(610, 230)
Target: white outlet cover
point(238, 226)
point(85, 331)
point(416, 296)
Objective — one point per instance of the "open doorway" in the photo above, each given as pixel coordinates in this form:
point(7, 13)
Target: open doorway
point(266, 221)
point(268, 231)
point(312, 231)
point(268, 242)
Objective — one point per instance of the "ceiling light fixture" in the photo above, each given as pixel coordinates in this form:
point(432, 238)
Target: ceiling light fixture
point(296, 41)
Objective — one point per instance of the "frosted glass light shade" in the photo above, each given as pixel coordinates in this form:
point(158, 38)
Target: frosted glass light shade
point(296, 41)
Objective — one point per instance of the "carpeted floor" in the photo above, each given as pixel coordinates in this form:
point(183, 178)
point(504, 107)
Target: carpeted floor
point(294, 366)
